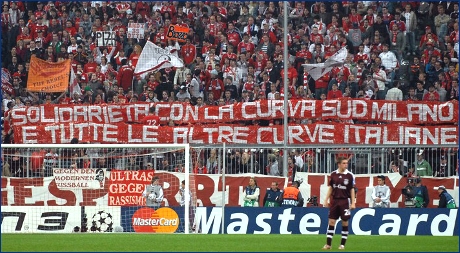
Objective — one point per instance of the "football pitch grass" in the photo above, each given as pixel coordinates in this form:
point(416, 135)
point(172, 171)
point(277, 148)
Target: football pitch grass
point(131, 242)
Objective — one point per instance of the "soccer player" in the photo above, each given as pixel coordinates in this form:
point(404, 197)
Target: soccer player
point(153, 193)
point(151, 119)
point(342, 191)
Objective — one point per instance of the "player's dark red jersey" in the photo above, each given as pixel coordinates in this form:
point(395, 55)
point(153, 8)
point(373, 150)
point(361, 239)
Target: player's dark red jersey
point(341, 184)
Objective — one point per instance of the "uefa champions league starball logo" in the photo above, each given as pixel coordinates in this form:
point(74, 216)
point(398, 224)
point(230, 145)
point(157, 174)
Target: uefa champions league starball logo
point(102, 221)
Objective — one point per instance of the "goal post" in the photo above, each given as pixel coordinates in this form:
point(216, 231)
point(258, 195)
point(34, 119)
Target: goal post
point(97, 188)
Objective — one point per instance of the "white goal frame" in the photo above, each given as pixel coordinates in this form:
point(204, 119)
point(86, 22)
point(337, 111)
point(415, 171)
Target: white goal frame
point(187, 161)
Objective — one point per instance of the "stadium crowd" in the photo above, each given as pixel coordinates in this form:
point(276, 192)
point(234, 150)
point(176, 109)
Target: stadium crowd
point(234, 51)
point(237, 47)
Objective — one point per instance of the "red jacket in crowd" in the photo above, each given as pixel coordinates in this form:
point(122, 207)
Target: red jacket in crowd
point(125, 77)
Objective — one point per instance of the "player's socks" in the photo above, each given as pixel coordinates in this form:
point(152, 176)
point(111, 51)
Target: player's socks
point(330, 234)
point(344, 235)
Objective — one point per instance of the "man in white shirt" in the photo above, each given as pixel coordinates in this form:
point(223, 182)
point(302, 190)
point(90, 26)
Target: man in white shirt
point(317, 48)
point(251, 29)
point(298, 159)
point(389, 61)
point(379, 76)
point(319, 25)
point(72, 48)
point(394, 94)
point(194, 86)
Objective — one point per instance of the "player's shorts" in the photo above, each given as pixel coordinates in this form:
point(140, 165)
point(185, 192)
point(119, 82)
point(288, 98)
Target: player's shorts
point(340, 208)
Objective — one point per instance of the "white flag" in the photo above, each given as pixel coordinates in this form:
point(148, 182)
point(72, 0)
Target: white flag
point(155, 58)
point(74, 87)
point(318, 70)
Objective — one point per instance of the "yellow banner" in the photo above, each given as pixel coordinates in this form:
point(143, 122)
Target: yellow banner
point(48, 76)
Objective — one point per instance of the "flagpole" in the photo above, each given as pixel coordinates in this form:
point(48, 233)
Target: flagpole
point(285, 81)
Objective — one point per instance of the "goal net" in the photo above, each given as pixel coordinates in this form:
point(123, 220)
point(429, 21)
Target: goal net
point(97, 188)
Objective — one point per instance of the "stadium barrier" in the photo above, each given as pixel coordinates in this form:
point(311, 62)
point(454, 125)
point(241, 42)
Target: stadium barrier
point(118, 191)
point(118, 205)
point(313, 220)
point(237, 220)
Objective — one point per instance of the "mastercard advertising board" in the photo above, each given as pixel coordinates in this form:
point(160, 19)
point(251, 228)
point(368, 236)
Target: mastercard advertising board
point(149, 220)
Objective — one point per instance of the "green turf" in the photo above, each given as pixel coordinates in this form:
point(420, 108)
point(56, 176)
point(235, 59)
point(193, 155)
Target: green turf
point(131, 242)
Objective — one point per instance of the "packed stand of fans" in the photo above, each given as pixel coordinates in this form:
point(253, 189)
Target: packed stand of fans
point(234, 52)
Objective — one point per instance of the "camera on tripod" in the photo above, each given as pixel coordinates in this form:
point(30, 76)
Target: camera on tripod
point(409, 192)
point(313, 201)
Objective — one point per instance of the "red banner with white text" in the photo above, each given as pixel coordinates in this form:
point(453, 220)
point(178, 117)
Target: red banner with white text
point(317, 133)
point(124, 188)
point(433, 113)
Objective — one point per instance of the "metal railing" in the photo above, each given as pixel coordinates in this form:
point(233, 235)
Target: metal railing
point(368, 159)
point(321, 159)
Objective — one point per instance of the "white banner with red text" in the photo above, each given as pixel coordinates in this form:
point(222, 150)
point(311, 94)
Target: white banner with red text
point(433, 113)
point(317, 133)
point(124, 188)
